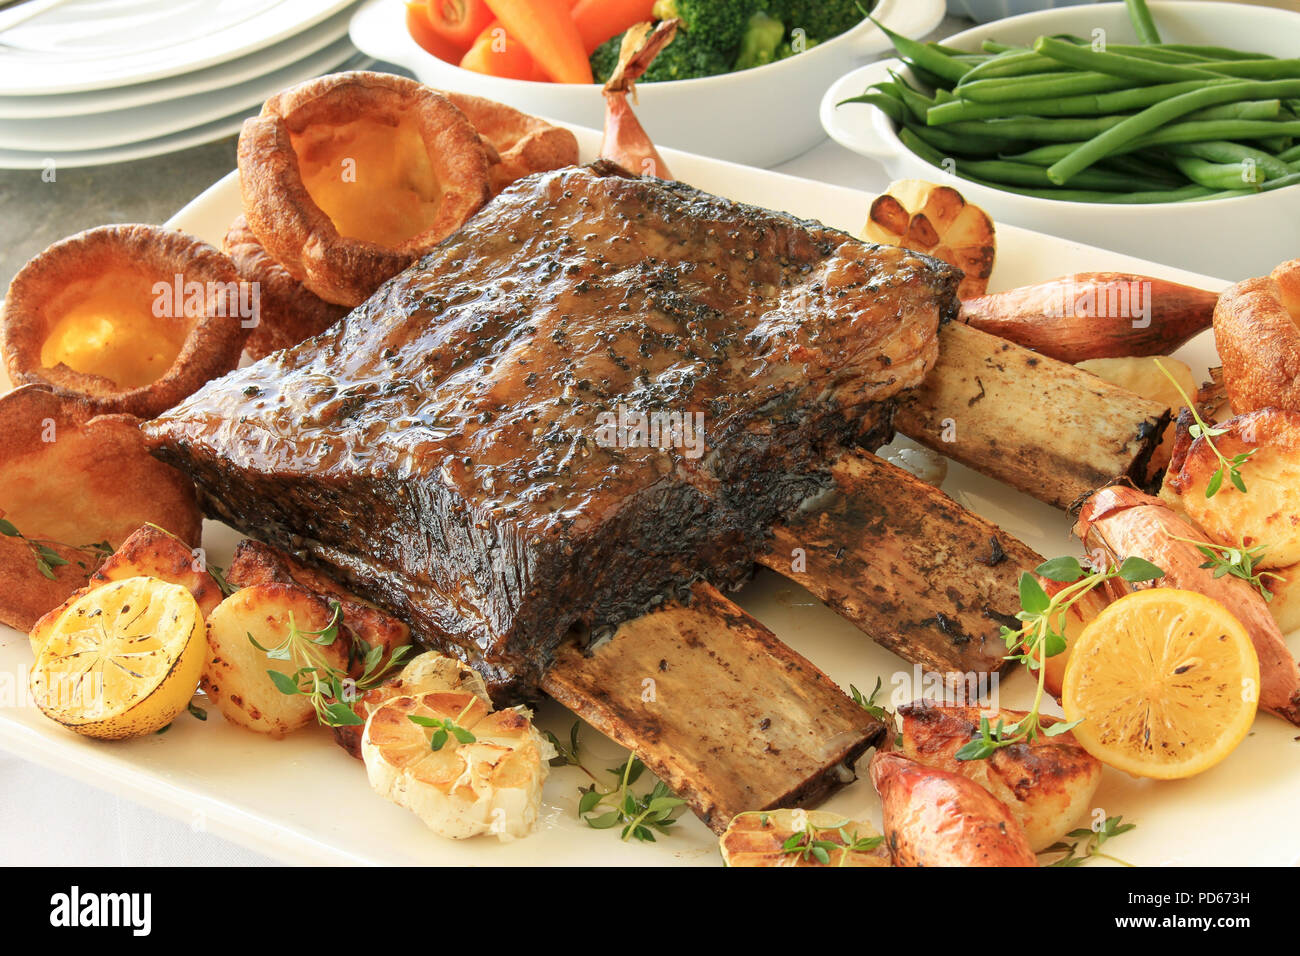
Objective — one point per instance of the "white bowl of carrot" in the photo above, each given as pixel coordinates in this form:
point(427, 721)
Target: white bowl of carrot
point(759, 116)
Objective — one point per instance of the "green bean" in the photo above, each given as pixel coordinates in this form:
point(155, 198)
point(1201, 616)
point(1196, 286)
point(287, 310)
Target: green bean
point(1222, 151)
point(1116, 64)
point(1216, 175)
point(1216, 52)
point(992, 46)
point(931, 60)
point(1098, 104)
point(918, 104)
point(1042, 87)
point(953, 144)
point(1160, 54)
point(1196, 131)
point(1274, 144)
point(1025, 174)
point(888, 105)
point(1153, 117)
point(1011, 64)
point(1292, 179)
point(1246, 109)
point(1255, 69)
point(1143, 24)
point(1051, 130)
point(1291, 155)
point(1135, 166)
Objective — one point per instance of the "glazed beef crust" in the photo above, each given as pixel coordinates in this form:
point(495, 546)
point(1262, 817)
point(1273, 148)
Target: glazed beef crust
point(441, 447)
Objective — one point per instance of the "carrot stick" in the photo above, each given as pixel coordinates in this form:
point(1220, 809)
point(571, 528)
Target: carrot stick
point(548, 33)
point(497, 53)
point(458, 21)
point(417, 25)
point(601, 20)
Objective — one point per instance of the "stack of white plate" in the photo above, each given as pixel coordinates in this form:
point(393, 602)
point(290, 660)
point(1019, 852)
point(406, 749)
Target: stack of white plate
point(89, 82)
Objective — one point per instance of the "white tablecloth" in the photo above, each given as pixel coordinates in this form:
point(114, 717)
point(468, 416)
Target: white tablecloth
point(53, 819)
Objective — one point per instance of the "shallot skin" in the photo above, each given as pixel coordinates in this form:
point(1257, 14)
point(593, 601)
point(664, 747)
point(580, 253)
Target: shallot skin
point(936, 818)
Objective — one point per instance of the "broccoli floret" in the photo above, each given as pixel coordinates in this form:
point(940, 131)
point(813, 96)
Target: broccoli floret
point(686, 59)
point(762, 40)
point(719, 23)
point(683, 59)
point(821, 19)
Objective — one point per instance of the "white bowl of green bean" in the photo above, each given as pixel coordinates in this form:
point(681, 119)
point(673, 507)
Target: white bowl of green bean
point(1179, 147)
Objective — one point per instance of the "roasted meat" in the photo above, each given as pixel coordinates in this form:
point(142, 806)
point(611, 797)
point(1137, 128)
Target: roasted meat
point(505, 441)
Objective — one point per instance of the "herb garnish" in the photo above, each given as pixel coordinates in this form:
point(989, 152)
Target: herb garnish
point(1041, 636)
point(445, 727)
point(639, 815)
point(1229, 466)
point(1238, 562)
point(47, 559)
point(869, 704)
point(808, 847)
point(1090, 843)
point(329, 689)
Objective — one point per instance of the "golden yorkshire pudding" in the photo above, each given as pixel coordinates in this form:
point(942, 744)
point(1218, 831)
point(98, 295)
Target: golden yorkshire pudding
point(1255, 328)
point(131, 318)
point(76, 485)
point(349, 178)
point(524, 144)
point(290, 312)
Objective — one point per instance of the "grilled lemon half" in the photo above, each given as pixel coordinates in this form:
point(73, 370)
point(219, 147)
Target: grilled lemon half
point(122, 660)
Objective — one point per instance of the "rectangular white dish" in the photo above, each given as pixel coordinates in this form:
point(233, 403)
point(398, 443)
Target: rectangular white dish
point(304, 800)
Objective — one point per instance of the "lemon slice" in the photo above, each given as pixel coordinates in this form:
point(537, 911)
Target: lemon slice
point(122, 660)
point(1165, 682)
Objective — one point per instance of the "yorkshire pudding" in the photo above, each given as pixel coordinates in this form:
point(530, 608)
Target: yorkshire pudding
point(1257, 330)
point(524, 144)
point(290, 312)
point(131, 318)
point(349, 178)
point(70, 478)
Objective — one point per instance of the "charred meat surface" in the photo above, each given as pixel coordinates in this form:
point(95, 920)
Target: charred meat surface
point(464, 447)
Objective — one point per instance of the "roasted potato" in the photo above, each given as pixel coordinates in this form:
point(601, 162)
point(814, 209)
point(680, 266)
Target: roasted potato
point(1268, 513)
point(235, 675)
point(1284, 584)
point(149, 553)
point(71, 478)
point(257, 563)
point(1047, 784)
point(1140, 375)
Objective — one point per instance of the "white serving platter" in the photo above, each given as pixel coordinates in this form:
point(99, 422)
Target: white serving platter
point(304, 800)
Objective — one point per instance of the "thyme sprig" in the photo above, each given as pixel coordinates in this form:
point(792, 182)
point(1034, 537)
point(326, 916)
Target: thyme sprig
point(1237, 562)
point(640, 816)
point(869, 704)
point(1042, 635)
point(444, 728)
point(806, 844)
point(1231, 467)
point(47, 559)
point(1089, 843)
point(329, 689)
